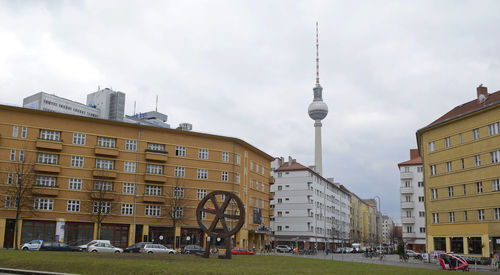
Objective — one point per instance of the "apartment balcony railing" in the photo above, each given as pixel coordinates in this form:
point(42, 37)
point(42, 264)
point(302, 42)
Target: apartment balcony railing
point(407, 204)
point(407, 220)
point(406, 190)
point(406, 175)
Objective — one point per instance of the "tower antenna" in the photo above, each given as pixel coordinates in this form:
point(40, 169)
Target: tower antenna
point(156, 109)
point(317, 54)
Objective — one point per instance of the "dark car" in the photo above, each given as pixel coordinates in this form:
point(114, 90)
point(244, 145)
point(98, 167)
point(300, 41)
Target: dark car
point(135, 248)
point(57, 246)
point(193, 249)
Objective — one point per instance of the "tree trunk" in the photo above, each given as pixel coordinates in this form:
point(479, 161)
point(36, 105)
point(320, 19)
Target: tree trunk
point(16, 230)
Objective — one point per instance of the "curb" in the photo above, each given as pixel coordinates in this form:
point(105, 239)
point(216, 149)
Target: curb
point(31, 272)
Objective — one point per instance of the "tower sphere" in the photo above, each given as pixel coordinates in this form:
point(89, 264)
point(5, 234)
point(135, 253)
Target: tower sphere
point(317, 110)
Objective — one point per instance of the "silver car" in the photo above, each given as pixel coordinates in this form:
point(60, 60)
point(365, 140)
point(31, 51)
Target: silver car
point(32, 245)
point(104, 247)
point(156, 248)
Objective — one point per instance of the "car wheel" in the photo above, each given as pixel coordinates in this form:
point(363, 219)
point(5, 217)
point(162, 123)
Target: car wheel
point(117, 251)
point(93, 251)
point(170, 252)
point(25, 248)
point(150, 252)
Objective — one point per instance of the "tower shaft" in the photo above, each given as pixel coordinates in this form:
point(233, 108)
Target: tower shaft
point(318, 155)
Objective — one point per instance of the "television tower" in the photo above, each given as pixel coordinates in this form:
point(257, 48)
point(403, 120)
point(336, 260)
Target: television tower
point(317, 111)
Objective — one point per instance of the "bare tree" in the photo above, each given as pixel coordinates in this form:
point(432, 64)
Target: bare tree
point(176, 203)
point(102, 200)
point(19, 191)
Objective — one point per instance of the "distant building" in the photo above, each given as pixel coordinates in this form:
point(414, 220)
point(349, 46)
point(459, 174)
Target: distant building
point(152, 118)
point(412, 202)
point(387, 230)
point(309, 210)
point(111, 103)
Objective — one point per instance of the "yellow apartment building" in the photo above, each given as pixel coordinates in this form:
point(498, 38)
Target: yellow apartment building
point(461, 160)
point(363, 222)
point(127, 181)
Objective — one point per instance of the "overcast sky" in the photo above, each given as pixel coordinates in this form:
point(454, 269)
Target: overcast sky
point(246, 69)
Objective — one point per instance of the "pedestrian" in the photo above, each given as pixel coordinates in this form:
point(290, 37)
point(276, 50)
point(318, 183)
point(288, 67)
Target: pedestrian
point(326, 250)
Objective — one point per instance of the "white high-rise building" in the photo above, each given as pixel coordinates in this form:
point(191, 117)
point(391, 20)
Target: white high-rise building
point(309, 210)
point(387, 230)
point(412, 202)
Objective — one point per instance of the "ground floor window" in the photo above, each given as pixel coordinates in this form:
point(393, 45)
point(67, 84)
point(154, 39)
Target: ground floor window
point(457, 245)
point(76, 233)
point(162, 235)
point(191, 236)
point(475, 245)
point(440, 243)
point(116, 233)
point(38, 230)
point(496, 245)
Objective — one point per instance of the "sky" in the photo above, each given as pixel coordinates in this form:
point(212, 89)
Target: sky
point(246, 69)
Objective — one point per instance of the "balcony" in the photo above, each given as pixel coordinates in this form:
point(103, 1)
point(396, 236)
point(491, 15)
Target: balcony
point(155, 178)
point(47, 168)
point(271, 196)
point(103, 173)
point(102, 195)
point(45, 191)
point(153, 199)
point(406, 220)
point(406, 175)
point(406, 190)
point(272, 180)
point(271, 212)
point(407, 235)
point(408, 204)
point(49, 145)
point(156, 156)
point(104, 151)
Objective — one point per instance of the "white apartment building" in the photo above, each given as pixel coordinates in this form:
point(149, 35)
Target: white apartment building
point(412, 202)
point(309, 210)
point(387, 230)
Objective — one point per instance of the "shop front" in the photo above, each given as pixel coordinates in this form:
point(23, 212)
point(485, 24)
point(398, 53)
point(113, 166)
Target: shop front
point(78, 233)
point(38, 230)
point(162, 235)
point(116, 233)
point(191, 236)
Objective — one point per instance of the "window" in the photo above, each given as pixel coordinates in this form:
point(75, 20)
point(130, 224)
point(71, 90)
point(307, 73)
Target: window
point(237, 159)
point(496, 184)
point(44, 204)
point(280, 200)
point(407, 183)
point(21, 155)
point(129, 166)
point(154, 169)
point(7, 202)
point(106, 164)
point(422, 229)
point(178, 192)
point(106, 142)
point(223, 175)
point(131, 145)
point(24, 132)
point(128, 188)
point(179, 172)
point(79, 139)
point(77, 161)
point(153, 190)
point(480, 214)
point(103, 186)
point(280, 187)
point(435, 218)
point(127, 209)
point(280, 213)
point(420, 184)
point(463, 163)
point(262, 170)
point(225, 156)
point(201, 193)
point(465, 189)
point(479, 187)
point(15, 130)
point(409, 229)
point(434, 194)
point(156, 147)
point(450, 191)
point(495, 156)
point(419, 169)
point(47, 158)
point(421, 214)
point(421, 198)
point(452, 216)
point(497, 214)
point(431, 146)
point(477, 159)
point(12, 155)
point(101, 207)
point(237, 178)
point(448, 166)
point(433, 170)
point(203, 174)
point(251, 165)
point(447, 143)
point(280, 228)
point(45, 181)
point(203, 153)
point(407, 169)
point(73, 206)
point(178, 212)
point(50, 135)
point(10, 178)
point(75, 184)
point(180, 151)
point(494, 128)
point(465, 216)
point(460, 138)
point(409, 214)
point(475, 134)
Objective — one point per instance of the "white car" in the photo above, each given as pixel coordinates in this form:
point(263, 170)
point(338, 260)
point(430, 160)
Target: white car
point(413, 254)
point(283, 249)
point(84, 247)
point(32, 245)
point(156, 248)
point(104, 247)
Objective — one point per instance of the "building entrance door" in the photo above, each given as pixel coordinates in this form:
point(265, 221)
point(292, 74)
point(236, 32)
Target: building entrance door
point(9, 234)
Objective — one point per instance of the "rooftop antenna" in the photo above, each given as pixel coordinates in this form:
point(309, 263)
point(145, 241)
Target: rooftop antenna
point(134, 108)
point(317, 55)
point(156, 109)
point(98, 87)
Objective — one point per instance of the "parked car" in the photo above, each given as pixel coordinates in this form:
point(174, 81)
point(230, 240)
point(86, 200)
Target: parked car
point(57, 246)
point(413, 254)
point(193, 249)
point(135, 248)
point(104, 247)
point(241, 251)
point(32, 245)
point(156, 248)
point(283, 248)
point(84, 247)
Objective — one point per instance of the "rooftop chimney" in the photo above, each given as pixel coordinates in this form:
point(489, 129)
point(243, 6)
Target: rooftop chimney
point(482, 93)
point(414, 153)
